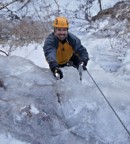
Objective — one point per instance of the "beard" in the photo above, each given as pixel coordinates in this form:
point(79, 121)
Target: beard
point(62, 37)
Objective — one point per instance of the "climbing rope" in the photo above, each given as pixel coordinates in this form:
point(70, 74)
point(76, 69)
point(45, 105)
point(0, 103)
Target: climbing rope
point(109, 104)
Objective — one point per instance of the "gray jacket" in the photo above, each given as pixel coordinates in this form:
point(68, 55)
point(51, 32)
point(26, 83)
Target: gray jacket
point(51, 45)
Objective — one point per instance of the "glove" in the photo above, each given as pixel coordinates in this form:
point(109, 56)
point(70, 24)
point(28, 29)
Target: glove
point(84, 62)
point(58, 71)
point(55, 69)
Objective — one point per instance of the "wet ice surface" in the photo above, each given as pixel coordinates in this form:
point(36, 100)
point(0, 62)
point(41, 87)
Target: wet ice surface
point(30, 112)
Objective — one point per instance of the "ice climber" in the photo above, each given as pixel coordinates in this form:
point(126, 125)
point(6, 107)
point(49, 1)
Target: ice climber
point(62, 48)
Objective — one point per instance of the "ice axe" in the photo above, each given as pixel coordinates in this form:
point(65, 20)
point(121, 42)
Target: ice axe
point(57, 75)
point(80, 70)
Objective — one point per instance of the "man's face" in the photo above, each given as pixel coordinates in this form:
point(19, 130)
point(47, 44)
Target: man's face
point(61, 33)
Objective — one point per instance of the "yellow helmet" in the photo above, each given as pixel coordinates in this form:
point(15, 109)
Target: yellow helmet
point(61, 22)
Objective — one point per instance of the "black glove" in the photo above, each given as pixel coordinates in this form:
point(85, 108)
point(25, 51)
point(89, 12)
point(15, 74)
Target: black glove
point(55, 69)
point(84, 62)
point(58, 71)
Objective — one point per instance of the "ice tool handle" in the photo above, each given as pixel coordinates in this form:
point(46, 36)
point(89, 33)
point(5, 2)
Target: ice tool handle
point(80, 70)
point(57, 75)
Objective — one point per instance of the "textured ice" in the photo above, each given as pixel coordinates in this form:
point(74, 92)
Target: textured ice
point(30, 112)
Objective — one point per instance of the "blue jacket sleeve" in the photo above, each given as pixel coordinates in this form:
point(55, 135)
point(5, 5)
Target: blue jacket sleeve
point(49, 48)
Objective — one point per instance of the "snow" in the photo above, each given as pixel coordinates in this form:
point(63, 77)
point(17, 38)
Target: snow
point(33, 52)
point(64, 6)
point(34, 109)
point(126, 63)
point(105, 4)
point(29, 108)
